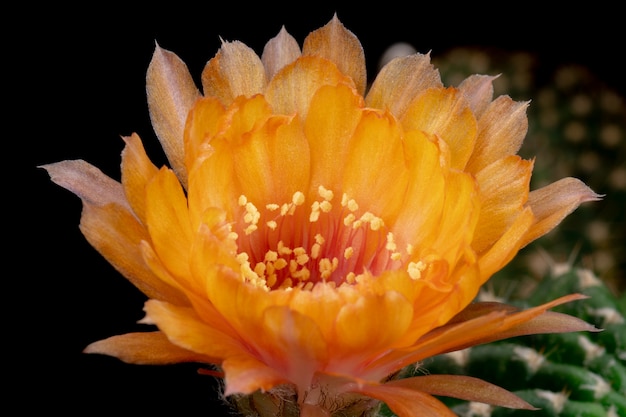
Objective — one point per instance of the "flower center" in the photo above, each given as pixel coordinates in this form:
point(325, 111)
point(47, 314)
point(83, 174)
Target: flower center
point(289, 245)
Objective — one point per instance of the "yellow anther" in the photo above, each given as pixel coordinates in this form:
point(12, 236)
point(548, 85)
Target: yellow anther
point(356, 224)
point(282, 249)
point(319, 239)
point(308, 286)
point(259, 269)
point(348, 252)
point(315, 212)
point(325, 193)
point(415, 269)
point(376, 223)
point(344, 200)
point(242, 257)
point(303, 274)
point(293, 266)
point(299, 251)
point(302, 259)
point(396, 256)
point(272, 207)
point(284, 209)
point(233, 236)
point(242, 200)
point(391, 245)
point(271, 280)
point(280, 264)
point(248, 230)
point(272, 224)
point(409, 249)
point(326, 206)
point(271, 256)
point(351, 278)
point(349, 219)
point(352, 205)
point(315, 250)
point(298, 198)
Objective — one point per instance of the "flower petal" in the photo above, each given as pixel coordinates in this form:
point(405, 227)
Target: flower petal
point(87, 182)
point(137, 171)
point(236, 70)
point(501, 131)
point(478, 90)
point(552, 203)
point(279, 51)
point(337, 44)
point(400, 81)
point(149, 348)
point(446, 113)
point(171, 94)
point(405, 402)
point(464, 388)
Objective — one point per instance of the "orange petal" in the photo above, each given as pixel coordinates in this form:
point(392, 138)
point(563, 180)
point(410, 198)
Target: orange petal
point(400, 81)
point(137, 171)
point(245, 375)
point(334, 113)
point(202, 125)
point(501, 131)
point(464, 388)
point(236, 70)
point(294, 344)
point(337, 44)
point(279, 51)
point(166, 210)
point(446, 113)
point(117, 235)
point(554, 202)
point(505, 248)
point(291, 89)
point(375, 164)
point(504, 191)
point(146, 348)
point(171, 93)
point(388, 317)
point(183, 327)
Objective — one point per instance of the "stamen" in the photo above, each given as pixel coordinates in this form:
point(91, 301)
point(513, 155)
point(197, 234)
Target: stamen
point(415, 269)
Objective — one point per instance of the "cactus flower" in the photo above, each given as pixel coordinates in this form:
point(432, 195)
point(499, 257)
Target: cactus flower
point(315, 234)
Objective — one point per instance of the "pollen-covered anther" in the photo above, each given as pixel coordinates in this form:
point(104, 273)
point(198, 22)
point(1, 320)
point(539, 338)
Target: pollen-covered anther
point(348, 252)
point(327, 267)
point(415, 269)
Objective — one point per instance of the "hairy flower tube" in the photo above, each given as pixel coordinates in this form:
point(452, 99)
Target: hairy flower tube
point(316, 235)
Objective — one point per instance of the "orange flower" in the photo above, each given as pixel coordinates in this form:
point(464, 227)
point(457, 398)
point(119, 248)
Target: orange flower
point(316, 236)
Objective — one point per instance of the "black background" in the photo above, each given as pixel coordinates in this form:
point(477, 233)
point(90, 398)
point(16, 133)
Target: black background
point(76, 78)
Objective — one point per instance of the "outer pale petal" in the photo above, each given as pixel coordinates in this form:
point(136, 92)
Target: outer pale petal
point(400, 81)
point(406, 402)
point(279, 51)
point(504, 191)
point(478, 90)
point(554, 202)
point(501, 131)
point(87, 182)
point(137, 171)
point(463, 387)
point(147, 348)
point(234, 71)
point(446, 113)
point(336, 43)
point(110, 226)
point(171, 93)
